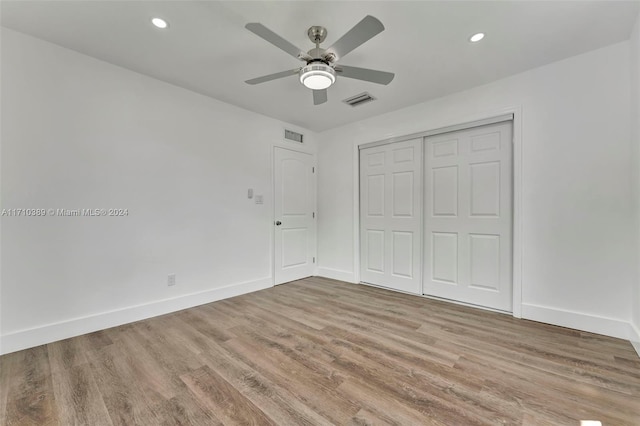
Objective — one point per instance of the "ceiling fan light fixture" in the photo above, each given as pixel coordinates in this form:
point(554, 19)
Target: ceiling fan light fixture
point(317, 76)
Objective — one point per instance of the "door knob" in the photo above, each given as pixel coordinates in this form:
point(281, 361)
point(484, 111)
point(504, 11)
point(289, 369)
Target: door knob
point(278, 223)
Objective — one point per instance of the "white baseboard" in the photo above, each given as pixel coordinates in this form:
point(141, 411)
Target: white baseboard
point(48, 333)
point(336, 274)
point(577, 320)
point(635, 337)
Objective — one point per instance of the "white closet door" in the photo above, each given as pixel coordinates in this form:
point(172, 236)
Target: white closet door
point(468, 216)
point(391, 215)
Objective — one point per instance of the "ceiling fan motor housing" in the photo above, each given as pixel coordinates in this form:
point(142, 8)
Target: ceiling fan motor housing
point(317, 34)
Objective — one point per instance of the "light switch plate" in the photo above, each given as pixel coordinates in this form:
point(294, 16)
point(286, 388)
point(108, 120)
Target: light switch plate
point(258, 199)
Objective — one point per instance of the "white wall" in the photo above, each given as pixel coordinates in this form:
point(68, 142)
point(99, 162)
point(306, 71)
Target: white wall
point(577, 209)
point(634, 45)
point(81, 133)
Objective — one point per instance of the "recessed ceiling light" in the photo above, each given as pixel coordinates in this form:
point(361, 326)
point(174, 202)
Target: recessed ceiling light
point(476, 37)
point(159, 22)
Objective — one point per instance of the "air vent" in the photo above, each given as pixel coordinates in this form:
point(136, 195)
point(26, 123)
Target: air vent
point(360, 99)
point(293, 136)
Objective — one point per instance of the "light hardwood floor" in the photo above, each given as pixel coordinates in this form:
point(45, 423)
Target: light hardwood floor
point(319, 351)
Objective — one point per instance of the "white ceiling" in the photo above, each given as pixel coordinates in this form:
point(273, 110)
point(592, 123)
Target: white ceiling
point(208, 50)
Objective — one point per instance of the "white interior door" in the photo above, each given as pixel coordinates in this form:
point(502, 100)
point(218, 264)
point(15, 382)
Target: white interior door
point(468, 216)
point(391, 215)
point(294, 204)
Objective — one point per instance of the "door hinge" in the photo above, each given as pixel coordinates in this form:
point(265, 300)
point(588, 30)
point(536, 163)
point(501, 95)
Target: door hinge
point(313, 215)
point(314, 260)
point(313, 170)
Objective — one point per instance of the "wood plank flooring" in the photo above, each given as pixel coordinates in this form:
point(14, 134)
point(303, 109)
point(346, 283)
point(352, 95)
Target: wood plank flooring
point(323, 352)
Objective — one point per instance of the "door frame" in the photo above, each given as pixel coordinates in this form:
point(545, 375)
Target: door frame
point(272, 235)
point(453, 125)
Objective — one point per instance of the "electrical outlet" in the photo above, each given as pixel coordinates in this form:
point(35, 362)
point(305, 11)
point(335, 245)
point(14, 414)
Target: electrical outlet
point(172, 280)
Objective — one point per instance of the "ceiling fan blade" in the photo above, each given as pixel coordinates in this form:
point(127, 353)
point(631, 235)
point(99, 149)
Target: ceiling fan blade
point(364, 30)
point(273, 38)
point(319, 96)
point(366, 74)
point(274, 76)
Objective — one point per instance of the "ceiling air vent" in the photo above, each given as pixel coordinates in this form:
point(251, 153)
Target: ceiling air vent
point(360, 99)
point(293, 136)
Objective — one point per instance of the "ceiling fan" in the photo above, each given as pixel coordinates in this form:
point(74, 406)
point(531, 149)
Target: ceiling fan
point(321, 69)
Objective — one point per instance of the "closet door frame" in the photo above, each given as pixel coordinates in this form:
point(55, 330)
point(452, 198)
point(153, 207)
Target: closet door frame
point(515, 115)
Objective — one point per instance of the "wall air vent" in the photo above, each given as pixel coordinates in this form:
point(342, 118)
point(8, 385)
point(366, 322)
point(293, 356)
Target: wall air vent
point(293, 136)
point(360, 99)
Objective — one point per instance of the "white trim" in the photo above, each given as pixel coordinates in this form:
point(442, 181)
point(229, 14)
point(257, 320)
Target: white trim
point(336, 274)
point(513, 113)
point(440, 130)
point(577, 320)
point(315, 214)
point(517, 212)
point(636, 346)
point(48, 333)
point(634, 337)
point(356, 214)
point(272, 196)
